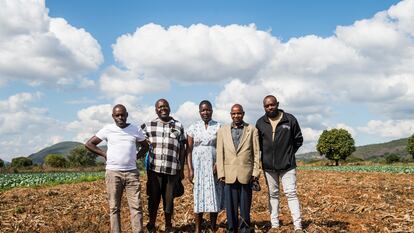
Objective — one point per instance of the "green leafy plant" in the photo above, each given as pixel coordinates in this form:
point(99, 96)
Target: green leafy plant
point(12, 180)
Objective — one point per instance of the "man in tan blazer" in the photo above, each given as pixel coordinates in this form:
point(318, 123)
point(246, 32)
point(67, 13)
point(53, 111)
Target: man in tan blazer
point(237, 166)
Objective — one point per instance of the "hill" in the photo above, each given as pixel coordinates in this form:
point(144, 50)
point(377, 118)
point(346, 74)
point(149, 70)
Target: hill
point(60, 148)
point(397, 147)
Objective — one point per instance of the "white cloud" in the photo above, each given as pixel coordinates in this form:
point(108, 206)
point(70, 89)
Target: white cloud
point(90, 120)
point(115, 82)
point(198, 53)
point(25, 129)
point(93, 118)
point(389, 128)
point(187, 113)
point(38, 49)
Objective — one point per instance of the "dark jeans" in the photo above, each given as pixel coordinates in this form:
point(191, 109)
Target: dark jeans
point(238, 195)
point(161, 185)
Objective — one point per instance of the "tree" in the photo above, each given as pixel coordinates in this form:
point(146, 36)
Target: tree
point(56, 160)
point(1, 163)
point(410, 145)
point(21, 162)
point(81, 157)
point(335, 144)
point(392, 158)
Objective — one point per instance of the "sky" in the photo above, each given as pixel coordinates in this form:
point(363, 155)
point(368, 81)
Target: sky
point(333, 64)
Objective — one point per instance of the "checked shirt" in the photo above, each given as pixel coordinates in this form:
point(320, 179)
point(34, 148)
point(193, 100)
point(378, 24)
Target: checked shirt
point(166, 140)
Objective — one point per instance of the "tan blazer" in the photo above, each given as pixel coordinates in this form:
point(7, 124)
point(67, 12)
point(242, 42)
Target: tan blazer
point(238, 163)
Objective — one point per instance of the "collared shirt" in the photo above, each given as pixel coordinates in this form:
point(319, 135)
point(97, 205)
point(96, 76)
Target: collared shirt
point(236, 134)
point(166, 139)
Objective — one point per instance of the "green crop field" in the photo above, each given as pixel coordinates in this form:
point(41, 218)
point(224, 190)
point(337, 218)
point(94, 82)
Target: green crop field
point(384, 168)
point(13, 180)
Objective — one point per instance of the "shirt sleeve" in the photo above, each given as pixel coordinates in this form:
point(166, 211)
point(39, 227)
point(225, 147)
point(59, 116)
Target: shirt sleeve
point(190, 131)
point(140, 135)
point(102, 134)
point(183, 137)
point(144, 130)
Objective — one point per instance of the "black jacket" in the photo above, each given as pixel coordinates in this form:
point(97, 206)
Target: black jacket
point(279, 154)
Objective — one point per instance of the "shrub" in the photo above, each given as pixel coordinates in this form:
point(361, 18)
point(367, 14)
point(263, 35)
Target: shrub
point(392, 158)
point(21, 162)
point(1, 163)
point(56, 160)
point(81, 157)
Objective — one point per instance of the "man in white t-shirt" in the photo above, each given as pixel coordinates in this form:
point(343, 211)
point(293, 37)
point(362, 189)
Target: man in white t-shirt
point(121, 168)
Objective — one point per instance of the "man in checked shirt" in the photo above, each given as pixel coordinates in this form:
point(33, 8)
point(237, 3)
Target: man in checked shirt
point(166, 160)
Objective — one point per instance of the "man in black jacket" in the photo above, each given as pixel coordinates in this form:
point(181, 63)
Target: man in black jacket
point(280, 137)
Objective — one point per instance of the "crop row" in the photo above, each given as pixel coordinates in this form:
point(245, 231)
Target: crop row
point(35, 179)
point(387, 169)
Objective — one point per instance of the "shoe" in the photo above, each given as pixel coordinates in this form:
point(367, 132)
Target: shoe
point(299, 231)
point(274, 230)
point(150, 228)
point(169, 229)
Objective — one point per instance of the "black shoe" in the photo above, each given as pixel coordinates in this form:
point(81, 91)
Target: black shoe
point(150, 228)
point(169, 229)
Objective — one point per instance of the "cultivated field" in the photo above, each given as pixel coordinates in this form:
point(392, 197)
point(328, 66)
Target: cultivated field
point(331, 202)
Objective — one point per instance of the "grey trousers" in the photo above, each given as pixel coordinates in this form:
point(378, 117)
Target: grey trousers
point(116, 183)
point(289, 188)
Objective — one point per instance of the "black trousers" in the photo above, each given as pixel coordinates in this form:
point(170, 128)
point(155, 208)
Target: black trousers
point(161, 185)
point(237, 196)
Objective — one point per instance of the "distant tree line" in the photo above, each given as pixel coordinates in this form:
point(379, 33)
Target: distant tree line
point(334, 144)
point(78, 157)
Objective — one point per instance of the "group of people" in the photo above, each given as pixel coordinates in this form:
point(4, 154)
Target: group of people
point(224, 163)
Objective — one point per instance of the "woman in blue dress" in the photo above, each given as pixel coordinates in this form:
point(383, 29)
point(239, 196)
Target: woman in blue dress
point(201, 154)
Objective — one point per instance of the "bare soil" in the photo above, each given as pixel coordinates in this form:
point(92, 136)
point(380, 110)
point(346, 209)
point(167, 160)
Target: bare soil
point(331, 202)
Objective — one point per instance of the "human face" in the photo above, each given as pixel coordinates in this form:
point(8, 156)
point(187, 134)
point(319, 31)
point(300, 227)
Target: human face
point(205, 112)
point(270, 106)
point(237, 114)
point(162, 108)
point(120, 116)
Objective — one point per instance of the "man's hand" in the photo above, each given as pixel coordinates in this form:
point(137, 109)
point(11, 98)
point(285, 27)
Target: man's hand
point(190, 175)
point(253, 178)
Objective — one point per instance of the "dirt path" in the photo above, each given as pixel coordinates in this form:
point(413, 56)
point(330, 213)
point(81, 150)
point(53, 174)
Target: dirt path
point(331, 202)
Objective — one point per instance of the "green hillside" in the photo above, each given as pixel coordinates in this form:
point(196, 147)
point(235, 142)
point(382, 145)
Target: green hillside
point(369, 151)
point(60, 148)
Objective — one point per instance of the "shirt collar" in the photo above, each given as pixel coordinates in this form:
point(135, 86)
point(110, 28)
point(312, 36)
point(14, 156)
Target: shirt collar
point(233, 126)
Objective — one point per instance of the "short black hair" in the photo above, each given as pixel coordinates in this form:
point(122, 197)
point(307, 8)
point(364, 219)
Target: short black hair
point(119, 106)
point(206, 102)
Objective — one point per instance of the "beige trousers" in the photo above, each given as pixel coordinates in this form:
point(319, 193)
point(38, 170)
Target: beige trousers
point(116, 183)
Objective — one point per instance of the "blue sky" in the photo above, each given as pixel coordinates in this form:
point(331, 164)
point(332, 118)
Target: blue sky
point(63, 64)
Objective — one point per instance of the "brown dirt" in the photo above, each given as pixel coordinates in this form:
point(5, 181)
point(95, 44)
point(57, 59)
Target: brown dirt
point(331, 202)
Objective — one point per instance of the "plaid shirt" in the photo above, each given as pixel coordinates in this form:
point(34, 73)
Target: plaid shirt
point(166, 140)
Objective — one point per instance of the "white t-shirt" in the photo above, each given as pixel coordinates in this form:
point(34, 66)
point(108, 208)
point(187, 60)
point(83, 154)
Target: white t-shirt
point(122, 151)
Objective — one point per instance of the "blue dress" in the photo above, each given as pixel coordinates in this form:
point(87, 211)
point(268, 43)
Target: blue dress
point(207, 197)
